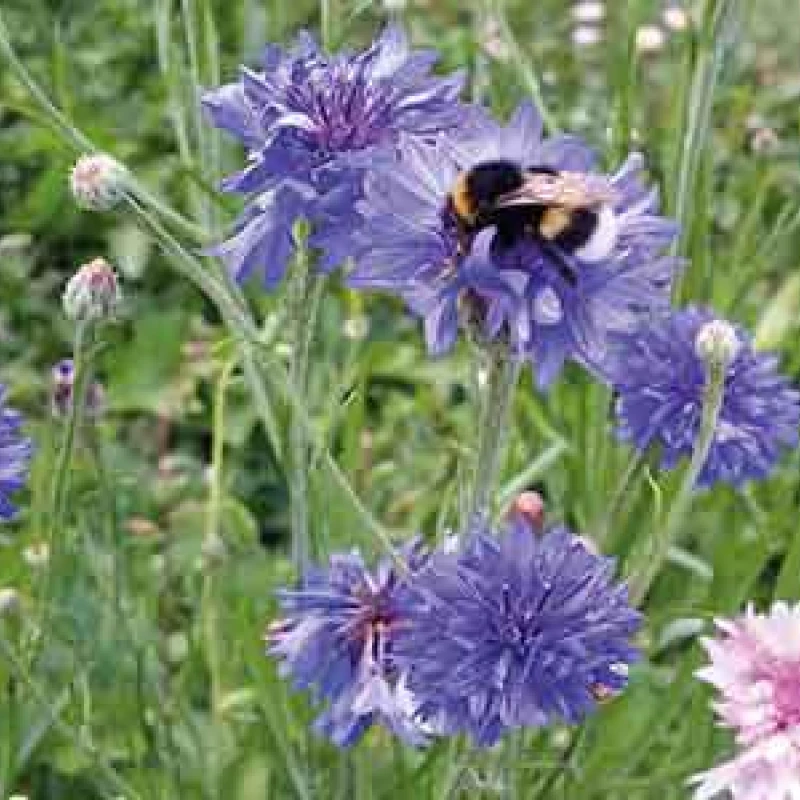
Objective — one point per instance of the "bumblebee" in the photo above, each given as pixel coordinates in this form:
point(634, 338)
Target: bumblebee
point(568, 213)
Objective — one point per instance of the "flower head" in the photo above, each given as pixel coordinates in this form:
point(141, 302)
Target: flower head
point(98, 181)
point(755, 665)
point(409, 244)
point(92, 293)
point(15, 454)
point(311, 123)
point(337, 638)
point(660, 378)
point(513, 632)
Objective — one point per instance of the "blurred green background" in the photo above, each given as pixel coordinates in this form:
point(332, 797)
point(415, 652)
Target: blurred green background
point(121, 688)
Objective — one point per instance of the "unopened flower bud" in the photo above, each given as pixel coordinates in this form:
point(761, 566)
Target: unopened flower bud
point(529, 507)
point(98, 181)
point(92, 293)
point(9, 601)
point(62, 389)
point(601, 692)
point(716, 343)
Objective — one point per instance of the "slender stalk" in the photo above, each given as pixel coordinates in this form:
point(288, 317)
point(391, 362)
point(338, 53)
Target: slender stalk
point(653, 557)
point(326, 23)
point(713, 44)
point(564, 764)
point(81, 362)
point(305, 295)
point(500, 372)
point(61, 475)
point(83, 144)
point(621, 493)
point(114, 540)
point(212, 537)
point(512, 758)
point(495, 8)
point(55, 116)
point(178, 223)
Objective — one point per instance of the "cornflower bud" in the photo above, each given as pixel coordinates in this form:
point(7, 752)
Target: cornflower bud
point(92, 293)
point(716, 343)
point(98, 181)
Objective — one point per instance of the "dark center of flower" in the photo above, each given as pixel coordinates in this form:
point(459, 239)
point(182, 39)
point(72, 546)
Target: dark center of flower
point(518, 626)
point(373, 625)
point(346, 110)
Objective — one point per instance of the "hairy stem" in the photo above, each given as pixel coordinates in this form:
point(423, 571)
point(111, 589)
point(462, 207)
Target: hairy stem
point(212, 537)
point(620, 496)
point(499, 373)
point(305, 295)
point(81, 363)
point(715, 41)
point(654, 556)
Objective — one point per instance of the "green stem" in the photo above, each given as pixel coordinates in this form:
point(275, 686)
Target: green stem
point(564, 764)
point(326, 23)
point(83, 144)
point(179, 223)
point(56, 117)
point(208, 600)
point(500, 375)
point(713, 44)
point(305, 296)
point(512, 758)
point(114, 539)
point(655, 555)
point(61, 475)
point(218, 450)
point(621, 494)
point(495, 8)
point(81, 364)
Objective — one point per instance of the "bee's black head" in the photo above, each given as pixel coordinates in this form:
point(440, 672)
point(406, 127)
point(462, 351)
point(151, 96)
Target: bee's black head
point(489, 181)
point(477, 191)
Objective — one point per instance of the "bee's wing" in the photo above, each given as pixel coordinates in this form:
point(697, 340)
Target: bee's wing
point(566, 189)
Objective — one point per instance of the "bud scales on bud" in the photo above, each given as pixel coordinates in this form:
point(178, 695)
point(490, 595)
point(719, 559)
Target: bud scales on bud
point(716, 343)
point(92, 293)
point(98, 181)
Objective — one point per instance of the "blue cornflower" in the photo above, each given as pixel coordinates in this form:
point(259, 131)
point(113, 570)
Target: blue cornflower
point(311, 123)
point(660, 376)
point(409, 245)
point(15, 454)
point(337, 639)
point(514, 631)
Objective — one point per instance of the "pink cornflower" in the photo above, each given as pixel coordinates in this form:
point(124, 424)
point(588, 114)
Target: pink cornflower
point(755, 665)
